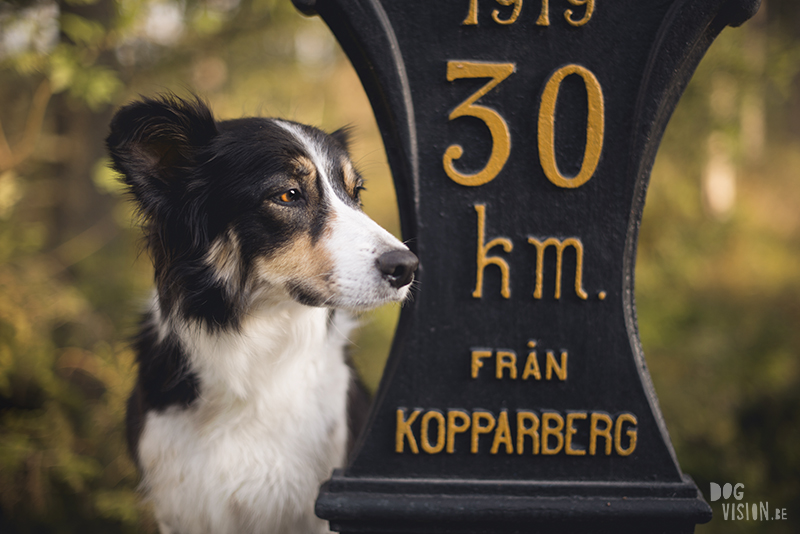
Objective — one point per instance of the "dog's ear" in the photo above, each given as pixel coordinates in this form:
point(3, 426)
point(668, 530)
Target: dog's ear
point(343, 136)
point(156, 144)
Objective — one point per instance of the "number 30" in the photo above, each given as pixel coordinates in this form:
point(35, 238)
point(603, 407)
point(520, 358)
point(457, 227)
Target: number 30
point(501, 137)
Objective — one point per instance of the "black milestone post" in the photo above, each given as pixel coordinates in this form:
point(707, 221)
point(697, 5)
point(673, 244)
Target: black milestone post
point(521, 137)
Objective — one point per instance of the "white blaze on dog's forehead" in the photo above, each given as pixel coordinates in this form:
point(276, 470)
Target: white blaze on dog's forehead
point(345, 214)
point(322, 162)
point(324, 166)
point(315, 154)
point(353, 240)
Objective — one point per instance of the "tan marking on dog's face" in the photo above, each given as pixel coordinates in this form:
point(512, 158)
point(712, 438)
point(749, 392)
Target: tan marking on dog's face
point(305, 169)
point(301, 264)
point(223, 256)
point(301, 174)
point(306, 174)
point(351, 179)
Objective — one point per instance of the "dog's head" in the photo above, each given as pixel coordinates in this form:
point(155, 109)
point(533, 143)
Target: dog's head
point(250, 210)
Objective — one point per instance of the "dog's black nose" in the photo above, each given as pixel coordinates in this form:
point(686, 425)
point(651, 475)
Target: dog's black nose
point(398, 267)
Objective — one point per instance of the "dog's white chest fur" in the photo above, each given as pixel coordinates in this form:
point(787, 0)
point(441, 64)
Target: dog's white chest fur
point(256, 232)
point(268, 428)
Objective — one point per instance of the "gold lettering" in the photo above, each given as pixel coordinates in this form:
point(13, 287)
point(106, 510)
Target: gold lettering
point(502, 434)
point(595, 432)
point(551, 433)
point(506, 360)
point(571, 430)
point(514, 14)
point(544, 14)
point(594, 130)
point(453, 428)
point(501, 137)
point(632, 435)
point(477, 363)
point(560, 246)
point(552, 365)
point(472, 15)
point(440, 429)
point(531, 365)
point(555, 431)
point(484, 260)
point(478, 429)
point(532, 431)
point(404, 431)
point(588, 15)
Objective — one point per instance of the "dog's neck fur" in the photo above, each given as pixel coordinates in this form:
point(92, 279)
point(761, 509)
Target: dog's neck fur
point(272, 340)
point(255, 228)
point(268, 389)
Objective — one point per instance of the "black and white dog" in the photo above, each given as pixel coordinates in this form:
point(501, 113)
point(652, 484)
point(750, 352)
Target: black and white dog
point(256, 233)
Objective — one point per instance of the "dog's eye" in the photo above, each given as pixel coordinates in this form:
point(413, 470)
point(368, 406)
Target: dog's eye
point(290, 196)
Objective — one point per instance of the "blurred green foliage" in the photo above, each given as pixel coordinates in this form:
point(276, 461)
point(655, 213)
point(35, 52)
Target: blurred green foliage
point(717, 285)
point(718, 274)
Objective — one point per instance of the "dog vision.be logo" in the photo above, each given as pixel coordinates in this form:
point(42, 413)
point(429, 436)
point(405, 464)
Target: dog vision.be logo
point(743, 511)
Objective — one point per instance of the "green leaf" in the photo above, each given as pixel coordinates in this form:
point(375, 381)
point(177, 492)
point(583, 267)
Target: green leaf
point(63, 66)
point(96, 86)
point(81, 30)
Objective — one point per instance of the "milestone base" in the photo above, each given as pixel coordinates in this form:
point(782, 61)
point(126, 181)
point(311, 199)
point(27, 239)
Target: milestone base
point(400, 506)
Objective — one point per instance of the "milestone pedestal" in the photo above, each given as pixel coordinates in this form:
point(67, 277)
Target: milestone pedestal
point(521, 138)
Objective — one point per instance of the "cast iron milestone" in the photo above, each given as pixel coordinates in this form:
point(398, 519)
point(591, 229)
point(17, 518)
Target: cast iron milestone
point(521, 134)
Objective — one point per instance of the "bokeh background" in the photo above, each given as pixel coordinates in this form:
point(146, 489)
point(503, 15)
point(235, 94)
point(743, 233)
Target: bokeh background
point(718, 273)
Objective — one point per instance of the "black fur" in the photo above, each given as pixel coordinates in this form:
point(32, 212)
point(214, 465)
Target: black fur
point(164, 380)
point(193, 178)
point(196, 180)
